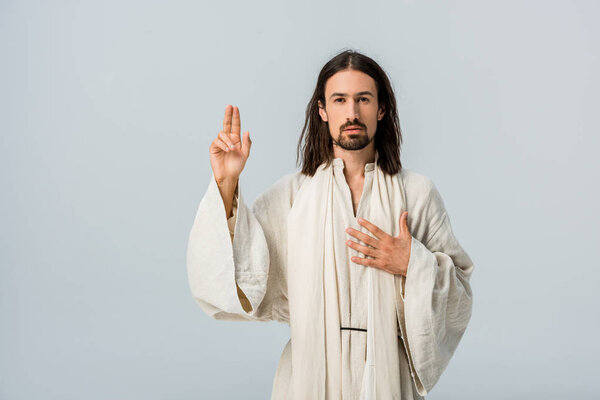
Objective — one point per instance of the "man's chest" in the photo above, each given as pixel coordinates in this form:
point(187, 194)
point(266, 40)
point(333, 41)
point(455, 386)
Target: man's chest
point(356, 190)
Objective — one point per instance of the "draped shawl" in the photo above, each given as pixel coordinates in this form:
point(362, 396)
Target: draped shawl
point(313, 293)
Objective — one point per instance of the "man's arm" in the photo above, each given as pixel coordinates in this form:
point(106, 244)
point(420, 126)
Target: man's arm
point(436, 306)
point(236, 266)
point(218, 267)
point(228, 190)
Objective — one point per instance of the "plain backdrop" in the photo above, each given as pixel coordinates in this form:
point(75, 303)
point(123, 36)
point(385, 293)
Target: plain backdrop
point(107, 109)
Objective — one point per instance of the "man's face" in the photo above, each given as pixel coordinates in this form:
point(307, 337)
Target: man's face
point(351, 101)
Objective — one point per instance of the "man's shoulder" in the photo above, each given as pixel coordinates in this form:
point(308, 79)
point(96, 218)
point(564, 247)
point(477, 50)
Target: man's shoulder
point(416, 183)
point(283, 190)
point(290, 181)
point(287, 184)
point(422, 196)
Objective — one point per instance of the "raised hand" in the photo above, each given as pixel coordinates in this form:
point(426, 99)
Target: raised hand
point(228, 154)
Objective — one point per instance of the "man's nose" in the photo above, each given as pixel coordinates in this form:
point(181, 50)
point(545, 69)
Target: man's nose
point(352, 110)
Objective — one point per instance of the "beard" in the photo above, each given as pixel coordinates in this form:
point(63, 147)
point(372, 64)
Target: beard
point(353, 141)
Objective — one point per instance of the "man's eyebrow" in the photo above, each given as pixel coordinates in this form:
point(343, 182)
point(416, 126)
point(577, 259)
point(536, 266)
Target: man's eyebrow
point(366, 92)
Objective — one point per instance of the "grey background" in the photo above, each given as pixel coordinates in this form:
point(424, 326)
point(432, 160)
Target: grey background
point(108, 109)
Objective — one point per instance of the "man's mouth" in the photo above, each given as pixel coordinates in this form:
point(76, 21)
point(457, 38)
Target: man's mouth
point(353, 130)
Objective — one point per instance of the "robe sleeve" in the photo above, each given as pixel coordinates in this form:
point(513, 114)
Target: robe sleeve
point(437, 296)
point(235, 266)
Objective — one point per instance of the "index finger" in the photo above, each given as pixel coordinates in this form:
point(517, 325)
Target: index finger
point(227, 119)
point(372, 228)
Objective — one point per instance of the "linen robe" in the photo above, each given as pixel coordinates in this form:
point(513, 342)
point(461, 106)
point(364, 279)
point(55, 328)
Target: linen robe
point(237, 271)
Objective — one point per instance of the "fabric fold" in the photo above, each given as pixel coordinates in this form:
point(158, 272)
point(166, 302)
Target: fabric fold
point(387, 202)
point(307, 223)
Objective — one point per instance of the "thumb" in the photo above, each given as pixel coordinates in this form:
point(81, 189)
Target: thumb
point(246, 144)
point(403, 223)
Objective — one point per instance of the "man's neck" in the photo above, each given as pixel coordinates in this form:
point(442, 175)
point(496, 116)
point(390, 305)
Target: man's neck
point(355, 160)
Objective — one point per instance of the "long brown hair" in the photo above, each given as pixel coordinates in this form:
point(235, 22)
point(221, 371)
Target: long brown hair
point(318, 146)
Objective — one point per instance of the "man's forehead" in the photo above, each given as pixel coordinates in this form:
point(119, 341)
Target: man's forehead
point(350, 83)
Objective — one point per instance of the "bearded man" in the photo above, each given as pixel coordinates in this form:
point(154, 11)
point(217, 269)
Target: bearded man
point(354, 252)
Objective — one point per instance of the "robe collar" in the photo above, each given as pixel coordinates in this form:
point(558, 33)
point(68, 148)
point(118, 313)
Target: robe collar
point(338, 163)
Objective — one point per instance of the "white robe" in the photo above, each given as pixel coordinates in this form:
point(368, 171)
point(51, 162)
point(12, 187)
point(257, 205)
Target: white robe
point(237, 271)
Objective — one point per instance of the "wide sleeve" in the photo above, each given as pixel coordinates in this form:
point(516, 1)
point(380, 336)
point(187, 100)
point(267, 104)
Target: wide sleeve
point(236, 266)
point(437, 296)
point(228, 274)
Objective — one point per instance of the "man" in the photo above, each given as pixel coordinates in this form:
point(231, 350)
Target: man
point(354, 252)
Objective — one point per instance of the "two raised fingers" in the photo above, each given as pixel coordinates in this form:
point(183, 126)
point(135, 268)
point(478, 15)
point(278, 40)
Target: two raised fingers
point(223, 140)
point(230, 135)
point(231, 121)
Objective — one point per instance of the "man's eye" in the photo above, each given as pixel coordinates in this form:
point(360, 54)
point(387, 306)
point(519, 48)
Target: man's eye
point(364, 98)
point(339, 98)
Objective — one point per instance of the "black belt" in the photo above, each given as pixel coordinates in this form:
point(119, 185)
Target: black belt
point(358, 329)
point(353, 329)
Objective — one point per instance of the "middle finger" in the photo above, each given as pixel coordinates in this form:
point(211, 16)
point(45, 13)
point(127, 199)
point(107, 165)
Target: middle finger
point(362, 236)
point(368, 251)
point(236, 125)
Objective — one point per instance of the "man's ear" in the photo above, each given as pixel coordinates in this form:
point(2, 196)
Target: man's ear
point(322, 111)
point(381, 113)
